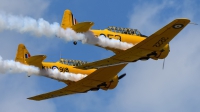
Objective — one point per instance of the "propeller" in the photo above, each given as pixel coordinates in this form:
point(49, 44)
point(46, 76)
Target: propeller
point(163, 64)
point(122, 76)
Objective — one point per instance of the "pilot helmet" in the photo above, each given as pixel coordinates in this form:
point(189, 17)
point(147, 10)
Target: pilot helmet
point(61, 60)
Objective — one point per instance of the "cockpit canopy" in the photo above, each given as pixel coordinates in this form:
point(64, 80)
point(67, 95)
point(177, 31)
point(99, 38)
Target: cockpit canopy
point(72, 62)
point(125, 31)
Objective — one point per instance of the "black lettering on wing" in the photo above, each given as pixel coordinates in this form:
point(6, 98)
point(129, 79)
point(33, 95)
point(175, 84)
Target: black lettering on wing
point(160, 42)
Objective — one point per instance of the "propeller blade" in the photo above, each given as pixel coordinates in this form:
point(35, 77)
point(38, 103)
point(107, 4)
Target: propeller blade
point(122, 76)
point(163, 64)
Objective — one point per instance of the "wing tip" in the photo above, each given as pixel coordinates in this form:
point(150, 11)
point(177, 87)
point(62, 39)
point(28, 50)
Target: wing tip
point(183, 19)
point(32, 98)
point(179, 23)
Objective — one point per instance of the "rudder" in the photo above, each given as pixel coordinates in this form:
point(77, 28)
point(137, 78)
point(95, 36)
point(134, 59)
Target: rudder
point(22, 54)
point(68, 19)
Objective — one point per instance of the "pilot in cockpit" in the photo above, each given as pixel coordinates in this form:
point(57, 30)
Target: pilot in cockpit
point(125, 31)
point(132, 32)
point(61, 60)
point(128, 31)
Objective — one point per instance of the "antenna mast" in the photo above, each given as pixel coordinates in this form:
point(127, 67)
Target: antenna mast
point(60, 55)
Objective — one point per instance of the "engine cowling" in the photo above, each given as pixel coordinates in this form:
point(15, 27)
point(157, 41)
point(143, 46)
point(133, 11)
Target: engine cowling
point(110, 85)
point(162, 53)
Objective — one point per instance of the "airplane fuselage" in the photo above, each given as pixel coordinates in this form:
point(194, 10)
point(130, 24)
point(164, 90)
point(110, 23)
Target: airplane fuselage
point(65, 68)
point(71, 69)
point(134, 38)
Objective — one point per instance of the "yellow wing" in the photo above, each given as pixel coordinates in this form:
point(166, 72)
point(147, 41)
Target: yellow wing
point(155, 42)
point(90, 82)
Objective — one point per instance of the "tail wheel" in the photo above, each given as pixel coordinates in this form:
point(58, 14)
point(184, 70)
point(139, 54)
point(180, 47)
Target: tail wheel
point(74, 42)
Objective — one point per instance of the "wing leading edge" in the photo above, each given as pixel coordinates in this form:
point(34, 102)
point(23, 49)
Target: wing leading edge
point(155, 42)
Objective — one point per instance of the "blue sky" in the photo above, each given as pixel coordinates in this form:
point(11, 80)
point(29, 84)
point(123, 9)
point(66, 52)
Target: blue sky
point(146, 88)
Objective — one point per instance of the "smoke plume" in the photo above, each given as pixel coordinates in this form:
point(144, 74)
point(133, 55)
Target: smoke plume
point(105, 42)
point(12, 67)
point(42, 27)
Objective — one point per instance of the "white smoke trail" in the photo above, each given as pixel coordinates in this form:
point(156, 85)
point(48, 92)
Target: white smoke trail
point(105, 42)
point(55, 74)
point(12, 67)
point(42, 27)
point(113, 43)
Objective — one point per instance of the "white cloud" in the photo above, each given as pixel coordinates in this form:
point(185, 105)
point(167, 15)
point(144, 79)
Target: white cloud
point(148, 16)
point(26, 7)
point(149, 88)
point(14, 91)
point(9, 40)
point(16, 88)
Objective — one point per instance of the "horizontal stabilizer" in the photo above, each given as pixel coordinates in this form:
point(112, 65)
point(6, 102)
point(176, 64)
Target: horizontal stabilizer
point(35, 60)
point(82, 27)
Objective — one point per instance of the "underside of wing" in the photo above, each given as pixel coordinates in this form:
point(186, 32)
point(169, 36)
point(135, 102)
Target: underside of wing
point(88, 83)
point(53, 94)
point(153, 43)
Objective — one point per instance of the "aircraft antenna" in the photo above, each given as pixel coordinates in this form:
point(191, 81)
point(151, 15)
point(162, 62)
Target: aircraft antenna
point(193, 23)
point(60, 55)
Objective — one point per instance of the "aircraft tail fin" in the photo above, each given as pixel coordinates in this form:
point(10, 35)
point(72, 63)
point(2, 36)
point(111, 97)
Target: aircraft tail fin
point(24, 57)
point(22, 54)
point(68, 19)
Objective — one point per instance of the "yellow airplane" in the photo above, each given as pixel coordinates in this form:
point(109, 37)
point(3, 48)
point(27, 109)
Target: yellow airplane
point(104, 78)
point(155, 46)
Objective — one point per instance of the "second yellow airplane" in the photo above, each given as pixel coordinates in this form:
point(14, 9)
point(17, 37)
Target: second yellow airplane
point(104, 78)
